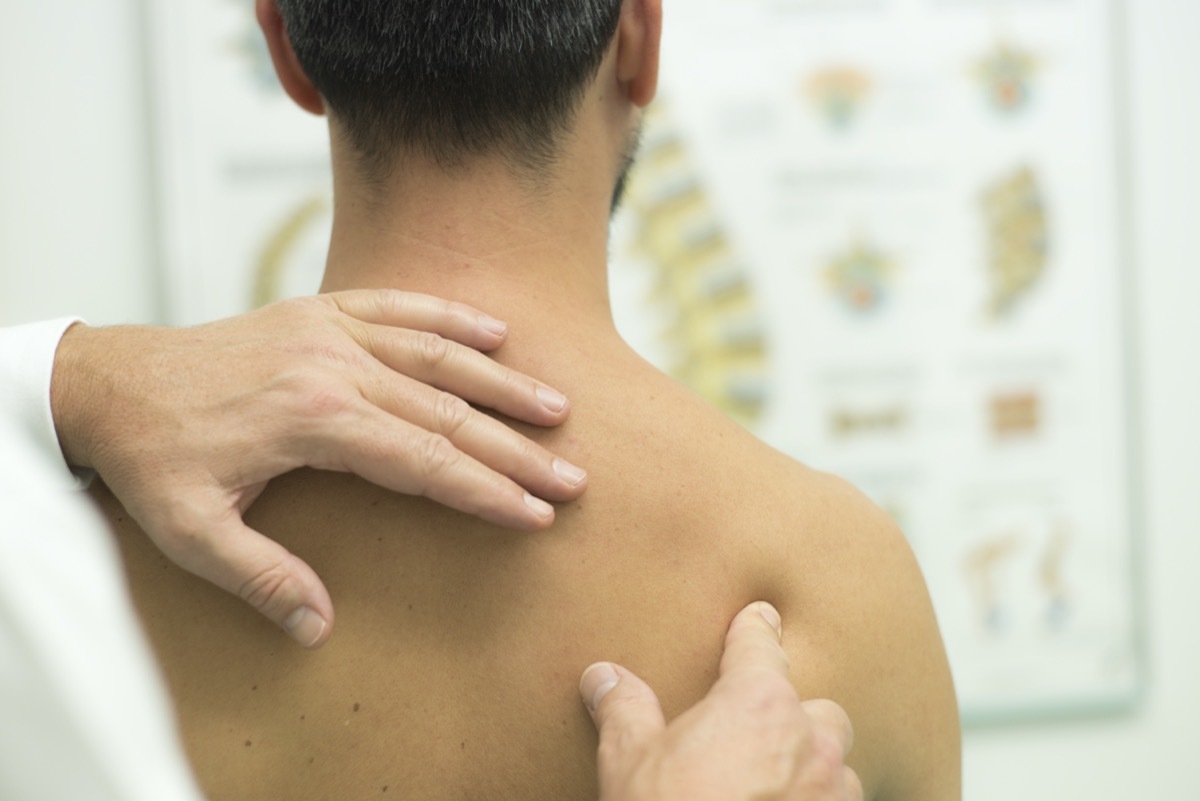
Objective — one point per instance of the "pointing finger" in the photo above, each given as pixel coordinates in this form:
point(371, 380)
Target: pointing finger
point(627, 715)
point(753, 642)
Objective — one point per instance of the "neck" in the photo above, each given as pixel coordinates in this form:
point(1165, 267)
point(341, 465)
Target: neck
point(535, 258)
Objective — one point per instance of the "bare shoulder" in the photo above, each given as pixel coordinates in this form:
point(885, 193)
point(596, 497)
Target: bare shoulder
point(859, 624)
point(860, 629)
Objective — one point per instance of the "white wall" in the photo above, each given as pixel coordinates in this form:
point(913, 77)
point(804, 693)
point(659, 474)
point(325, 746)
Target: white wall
point(76, 236)
point(75, 223)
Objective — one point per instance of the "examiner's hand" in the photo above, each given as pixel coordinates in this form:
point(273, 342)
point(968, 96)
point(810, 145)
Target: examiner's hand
point(750, 738)
point(187, 426)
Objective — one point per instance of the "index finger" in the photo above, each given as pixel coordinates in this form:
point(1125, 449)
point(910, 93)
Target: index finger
point(392, 307)
point(830, 718)
point(753, 641)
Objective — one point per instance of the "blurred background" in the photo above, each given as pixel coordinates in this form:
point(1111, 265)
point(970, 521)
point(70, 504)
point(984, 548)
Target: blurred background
point(944, 248)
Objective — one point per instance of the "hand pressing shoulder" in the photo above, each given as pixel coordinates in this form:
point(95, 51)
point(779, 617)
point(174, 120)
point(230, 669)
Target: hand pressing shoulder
point(187, 427)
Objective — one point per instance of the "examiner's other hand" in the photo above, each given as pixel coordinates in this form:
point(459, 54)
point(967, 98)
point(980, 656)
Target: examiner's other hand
point(750, 738)
point(187, 426)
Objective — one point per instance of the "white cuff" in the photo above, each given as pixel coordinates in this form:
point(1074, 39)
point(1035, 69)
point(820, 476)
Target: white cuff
point(26, 367)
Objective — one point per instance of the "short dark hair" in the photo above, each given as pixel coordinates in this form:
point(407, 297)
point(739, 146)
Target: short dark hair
point(452, 78)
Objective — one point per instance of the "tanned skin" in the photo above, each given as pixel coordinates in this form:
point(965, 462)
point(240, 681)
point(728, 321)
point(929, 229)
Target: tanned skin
point(454, 667)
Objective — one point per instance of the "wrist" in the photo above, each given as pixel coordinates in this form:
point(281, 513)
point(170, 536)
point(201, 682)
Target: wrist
point(73, 392)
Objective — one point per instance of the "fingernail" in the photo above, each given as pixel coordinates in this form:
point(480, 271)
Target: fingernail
point(596, 683)
point(771, 615)
point(305, 626)
point(551, 399)
point(493, 325)
point(569, 473)
point(540, 507)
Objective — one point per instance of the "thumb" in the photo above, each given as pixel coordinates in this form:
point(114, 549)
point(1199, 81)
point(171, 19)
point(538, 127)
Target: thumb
point(627, 715)
point(263, 573)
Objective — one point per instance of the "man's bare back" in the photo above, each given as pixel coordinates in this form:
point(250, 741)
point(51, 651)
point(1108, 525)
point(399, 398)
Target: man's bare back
point(452, 673)
point(452, 669)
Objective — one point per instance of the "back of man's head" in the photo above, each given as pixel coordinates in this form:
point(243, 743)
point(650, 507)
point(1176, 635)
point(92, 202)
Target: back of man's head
point(452, 79)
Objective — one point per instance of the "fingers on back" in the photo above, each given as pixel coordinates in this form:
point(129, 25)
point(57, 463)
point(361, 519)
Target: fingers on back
point(628, 717)
point(753, 643)
point(830, 718)
point(391, 307)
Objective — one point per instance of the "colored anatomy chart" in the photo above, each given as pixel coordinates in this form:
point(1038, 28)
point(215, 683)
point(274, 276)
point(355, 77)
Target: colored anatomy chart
point(882, 234)
point(919, 202)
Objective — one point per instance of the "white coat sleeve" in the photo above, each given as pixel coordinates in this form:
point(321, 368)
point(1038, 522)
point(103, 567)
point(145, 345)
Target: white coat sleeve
point(26, 366)
point(85, 712)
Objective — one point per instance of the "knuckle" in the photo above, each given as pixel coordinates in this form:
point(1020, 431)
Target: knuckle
point(449, 308)
point(392, 303)
point(817, 761)
point(510, 382)
point(451, 413)
point(320, 399)
point(272, 591)
point(460, 312)
point(432, 350)
point(521, 450)
point(339, 351)
point(827, 763)
point(310, 330)
point(780, 763)
point(388, 302)
point(437, 456)
point(794, 754)
point(831, 718)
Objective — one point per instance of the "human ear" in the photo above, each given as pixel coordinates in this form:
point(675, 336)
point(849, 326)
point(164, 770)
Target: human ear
point(295, 82)
point(639, 35)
